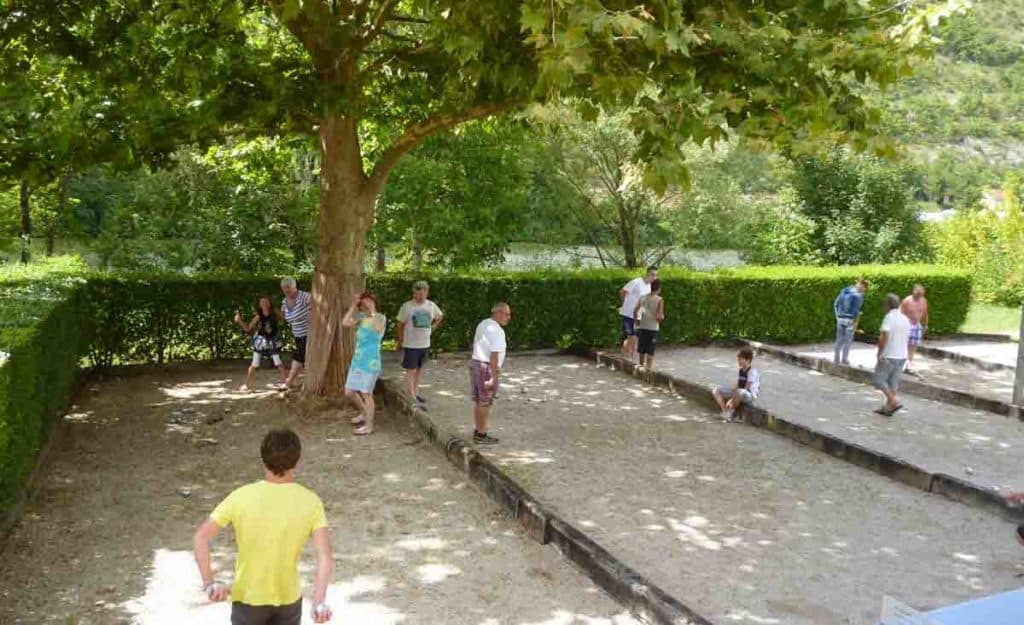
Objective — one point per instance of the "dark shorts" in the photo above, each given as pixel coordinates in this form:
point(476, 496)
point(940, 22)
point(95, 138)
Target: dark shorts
point(244, 614)
point(299, 353)
point(414, 357)
point(628, 326)
point(479, 373)
point(647, 342)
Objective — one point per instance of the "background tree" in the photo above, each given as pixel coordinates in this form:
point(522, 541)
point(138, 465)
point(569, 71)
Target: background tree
point(459, 198)
point(374, 78)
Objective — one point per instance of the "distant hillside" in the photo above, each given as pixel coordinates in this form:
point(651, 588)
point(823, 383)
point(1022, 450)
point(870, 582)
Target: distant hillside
point(962, 114)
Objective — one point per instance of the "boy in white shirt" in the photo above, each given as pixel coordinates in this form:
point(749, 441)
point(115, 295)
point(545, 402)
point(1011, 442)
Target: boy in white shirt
point(892, 354)
point(489, 346)
point(744, 392)
point(630, 296)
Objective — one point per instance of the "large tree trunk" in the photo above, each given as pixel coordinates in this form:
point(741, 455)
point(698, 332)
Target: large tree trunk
point(346, 214)
point(62, 205)
point(26, 222)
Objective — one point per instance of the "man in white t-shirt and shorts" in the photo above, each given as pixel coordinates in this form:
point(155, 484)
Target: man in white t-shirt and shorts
point(892, 354)
point(629, 296)
point(489, 348)
point(417, 318)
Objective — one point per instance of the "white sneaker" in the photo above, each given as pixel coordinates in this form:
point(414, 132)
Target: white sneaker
point(727, 415)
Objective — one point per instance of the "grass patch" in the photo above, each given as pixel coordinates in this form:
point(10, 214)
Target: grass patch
point(992, 319)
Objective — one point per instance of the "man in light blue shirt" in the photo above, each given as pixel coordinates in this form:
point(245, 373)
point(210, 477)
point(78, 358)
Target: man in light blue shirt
point(847, 307)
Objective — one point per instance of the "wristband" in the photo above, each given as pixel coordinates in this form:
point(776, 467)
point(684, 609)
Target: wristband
point(209, 587)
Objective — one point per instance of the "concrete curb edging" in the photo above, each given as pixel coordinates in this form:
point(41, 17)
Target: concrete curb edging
point(894, 468)
point(910, 387)
point(644, 600)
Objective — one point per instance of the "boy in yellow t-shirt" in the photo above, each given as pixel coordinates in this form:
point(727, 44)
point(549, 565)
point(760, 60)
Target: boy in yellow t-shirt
point(273, 520)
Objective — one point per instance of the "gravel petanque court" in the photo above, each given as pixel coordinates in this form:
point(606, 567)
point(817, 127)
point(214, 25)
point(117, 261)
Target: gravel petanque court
point(974, 445)
point(995, 384)
point(740, 524)
point(107, 540)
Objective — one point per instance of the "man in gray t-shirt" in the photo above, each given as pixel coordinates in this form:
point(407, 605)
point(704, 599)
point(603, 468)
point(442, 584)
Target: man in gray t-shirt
point(417, 318)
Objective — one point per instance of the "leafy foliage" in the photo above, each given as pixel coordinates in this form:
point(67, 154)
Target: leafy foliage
point(990, 245)
point(457, 200)
point(860, 207)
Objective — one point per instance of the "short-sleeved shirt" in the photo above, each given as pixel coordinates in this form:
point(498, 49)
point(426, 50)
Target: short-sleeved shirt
point(849, 303)
point(897, 327)
point(367, 353)
point(635, 289)
point(297, 316)
point(273, 522)
point(418, 320)
point(915, 310)
point(649, 305)
point(489, 337)
point(753, 380)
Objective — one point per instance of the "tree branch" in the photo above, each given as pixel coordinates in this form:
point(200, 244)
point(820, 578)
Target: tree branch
point(379, 20)
point(416, 133)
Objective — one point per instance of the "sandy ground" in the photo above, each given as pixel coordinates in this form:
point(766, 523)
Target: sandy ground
point(975, 445)
point(740, 524)
point(946, 373)
point(1005, 353)
point(108, 538)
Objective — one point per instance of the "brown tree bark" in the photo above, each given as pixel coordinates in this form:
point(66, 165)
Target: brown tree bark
point(346, 213)
point(26, 222)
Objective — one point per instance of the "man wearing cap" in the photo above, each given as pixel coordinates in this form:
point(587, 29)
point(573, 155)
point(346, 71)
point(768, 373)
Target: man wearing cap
point(417, 318)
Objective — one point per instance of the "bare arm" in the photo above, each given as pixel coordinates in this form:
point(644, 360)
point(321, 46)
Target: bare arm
point(622, 295)
point(636, 311)
point(349, 319)
point(251, 326)
point(201, 551)
point(494, 369)
point(661, 310)
point(399, 333)
point(324, 564)
point(883, 338)
point(924, 317)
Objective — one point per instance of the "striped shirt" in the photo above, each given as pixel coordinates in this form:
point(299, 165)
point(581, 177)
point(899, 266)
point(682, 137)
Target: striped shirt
point(298, 316)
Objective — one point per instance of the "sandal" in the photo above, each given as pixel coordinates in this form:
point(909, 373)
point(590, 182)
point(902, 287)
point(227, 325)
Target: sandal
point(358, 420)
point(363, 430)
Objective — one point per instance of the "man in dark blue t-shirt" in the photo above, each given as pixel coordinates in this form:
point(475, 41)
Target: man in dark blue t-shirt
point(847, 307)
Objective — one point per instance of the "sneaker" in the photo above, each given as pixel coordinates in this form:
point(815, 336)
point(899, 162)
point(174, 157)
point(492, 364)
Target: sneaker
point(484, 439)
point(727, 415)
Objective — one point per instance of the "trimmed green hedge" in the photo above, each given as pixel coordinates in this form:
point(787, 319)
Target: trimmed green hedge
point(44, 333)
point(163, 318)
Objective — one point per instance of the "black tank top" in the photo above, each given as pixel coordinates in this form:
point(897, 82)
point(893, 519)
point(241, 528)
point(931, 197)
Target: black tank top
point(268, 325)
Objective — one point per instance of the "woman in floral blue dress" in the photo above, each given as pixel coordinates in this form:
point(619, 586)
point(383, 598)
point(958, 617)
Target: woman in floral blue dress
point(366, 365)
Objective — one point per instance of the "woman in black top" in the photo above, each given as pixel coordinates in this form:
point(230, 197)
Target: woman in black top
point(266, 336)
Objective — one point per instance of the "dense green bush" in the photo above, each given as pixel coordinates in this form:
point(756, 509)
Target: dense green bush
point(44, 330)
point(163, 318)
point(990, 245)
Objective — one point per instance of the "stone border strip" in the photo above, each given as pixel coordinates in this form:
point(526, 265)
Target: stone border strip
point(643, 599)
point(894, 468)
point(911, 387)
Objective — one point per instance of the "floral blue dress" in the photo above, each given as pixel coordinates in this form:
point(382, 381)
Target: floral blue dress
point(366, 361)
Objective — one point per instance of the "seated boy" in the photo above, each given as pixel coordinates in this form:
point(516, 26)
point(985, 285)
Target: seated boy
point(744, 391)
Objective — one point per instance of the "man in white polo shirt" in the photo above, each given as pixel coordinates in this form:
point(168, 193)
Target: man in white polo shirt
point(489, 348)
point(630, 296)
point(892, 354)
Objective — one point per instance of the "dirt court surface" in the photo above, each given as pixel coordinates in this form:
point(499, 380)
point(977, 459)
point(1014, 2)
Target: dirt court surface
point(974, 445)
point(744, 526)
point(964, 377)
point(108, 538)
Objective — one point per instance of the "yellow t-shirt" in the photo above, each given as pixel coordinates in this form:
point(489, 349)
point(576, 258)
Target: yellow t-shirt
point(272, 523)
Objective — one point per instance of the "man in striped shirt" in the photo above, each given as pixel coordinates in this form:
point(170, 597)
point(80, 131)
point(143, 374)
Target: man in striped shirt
point(296, 312)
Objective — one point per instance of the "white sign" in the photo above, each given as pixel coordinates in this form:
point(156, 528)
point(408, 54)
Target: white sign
point(895, 612)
